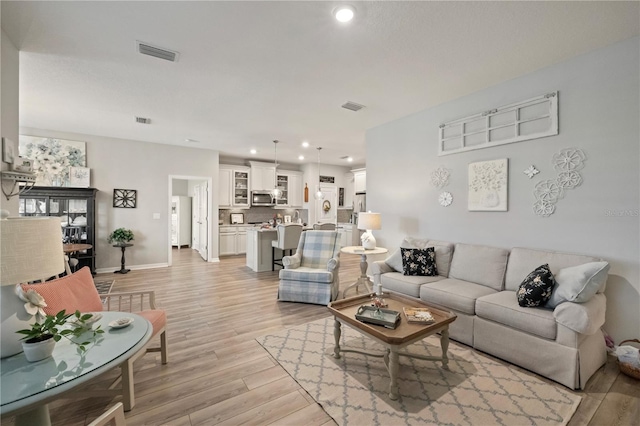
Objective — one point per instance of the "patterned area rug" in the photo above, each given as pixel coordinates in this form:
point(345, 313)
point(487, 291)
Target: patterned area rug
point(104, 287)
point(354, 389)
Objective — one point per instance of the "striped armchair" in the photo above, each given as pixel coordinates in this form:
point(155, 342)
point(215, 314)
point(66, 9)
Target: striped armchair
point(311, 275)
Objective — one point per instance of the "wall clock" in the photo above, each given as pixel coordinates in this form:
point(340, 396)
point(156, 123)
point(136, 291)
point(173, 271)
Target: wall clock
point(125, 198)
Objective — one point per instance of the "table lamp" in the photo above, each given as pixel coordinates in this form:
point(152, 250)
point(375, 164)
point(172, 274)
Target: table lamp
point(30, 249)
point(368, 221)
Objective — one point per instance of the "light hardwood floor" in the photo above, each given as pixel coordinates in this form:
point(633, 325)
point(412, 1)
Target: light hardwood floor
point(218, 374)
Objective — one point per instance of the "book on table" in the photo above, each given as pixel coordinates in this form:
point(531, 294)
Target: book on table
point(419, 315)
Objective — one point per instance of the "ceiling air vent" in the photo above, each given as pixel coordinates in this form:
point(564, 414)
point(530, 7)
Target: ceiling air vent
point(157, 52)
point(143, 120)
point(352, 106)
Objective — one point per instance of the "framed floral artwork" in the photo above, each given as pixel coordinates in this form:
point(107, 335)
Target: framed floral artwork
point(79, 177)
point(488, 181)
point(52, 158)
point(125, 198)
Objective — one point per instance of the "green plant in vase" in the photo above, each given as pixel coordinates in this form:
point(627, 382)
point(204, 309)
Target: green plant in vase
point(40, 339)
point(120, 236)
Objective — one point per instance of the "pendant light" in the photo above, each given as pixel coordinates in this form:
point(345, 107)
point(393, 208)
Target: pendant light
point(276, 192)
point(319, 195)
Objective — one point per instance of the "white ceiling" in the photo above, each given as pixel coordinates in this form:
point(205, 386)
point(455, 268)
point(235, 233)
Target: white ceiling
point(251, 72)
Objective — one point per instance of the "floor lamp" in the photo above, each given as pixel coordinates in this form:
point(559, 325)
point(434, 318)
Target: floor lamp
point(30, 250)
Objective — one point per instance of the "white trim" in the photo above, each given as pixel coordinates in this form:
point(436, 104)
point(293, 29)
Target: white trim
point(484, 128)
point(133, 268)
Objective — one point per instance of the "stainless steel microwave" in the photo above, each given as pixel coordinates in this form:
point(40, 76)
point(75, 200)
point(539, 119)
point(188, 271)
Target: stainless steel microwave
point(262, 198)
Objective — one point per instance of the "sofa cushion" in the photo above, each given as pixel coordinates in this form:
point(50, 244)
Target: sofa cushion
point(395, 259)
point(454, 294)
point(578, 283)
point(502, 307)
point(405, 284)
point(444, 252)
point(536, 287)
point(523, 260)
point(481, 264)
point(307, 274)
point(420, 262)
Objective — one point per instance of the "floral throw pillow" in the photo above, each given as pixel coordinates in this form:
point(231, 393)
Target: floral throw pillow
point(536, 288)
point(419, 262)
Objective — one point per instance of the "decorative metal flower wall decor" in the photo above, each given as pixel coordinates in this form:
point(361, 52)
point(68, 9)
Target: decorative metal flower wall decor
point(125, 198)
point(567, 162)
point(440, 177)
point(445, 199)
point(531, 171)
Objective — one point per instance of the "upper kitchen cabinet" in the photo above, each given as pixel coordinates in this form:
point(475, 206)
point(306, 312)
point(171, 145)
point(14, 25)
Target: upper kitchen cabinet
point(359, 180)
point(234, 186)
point(263, 176)
point(290, 183)
point(348, 191)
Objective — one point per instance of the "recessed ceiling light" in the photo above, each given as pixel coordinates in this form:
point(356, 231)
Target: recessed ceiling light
point(253, 151)
point(305, 144)
point(344, 13)
point(350, 159)
point(300, 157)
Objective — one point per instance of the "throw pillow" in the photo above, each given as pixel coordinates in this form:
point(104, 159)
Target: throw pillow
point(536, 288)
point(419, 262)
point(579, 283)
point(395, 259)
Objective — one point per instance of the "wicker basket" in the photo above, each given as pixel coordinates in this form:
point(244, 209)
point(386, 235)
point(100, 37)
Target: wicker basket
point(627, 368)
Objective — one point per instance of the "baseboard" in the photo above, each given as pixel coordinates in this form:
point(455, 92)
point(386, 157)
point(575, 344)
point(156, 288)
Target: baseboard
point(132, 267)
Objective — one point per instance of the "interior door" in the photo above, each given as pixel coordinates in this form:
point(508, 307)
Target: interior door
point(200, 223)
point(328, 213)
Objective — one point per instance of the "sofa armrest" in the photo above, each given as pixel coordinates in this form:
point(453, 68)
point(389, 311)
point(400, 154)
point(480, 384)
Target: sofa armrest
point(378, 268)
point(333, 264)
point(292, 262)
point(584, 318)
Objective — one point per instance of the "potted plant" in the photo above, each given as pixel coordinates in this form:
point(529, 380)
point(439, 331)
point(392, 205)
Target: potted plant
point(40, 340)
point(120, 236)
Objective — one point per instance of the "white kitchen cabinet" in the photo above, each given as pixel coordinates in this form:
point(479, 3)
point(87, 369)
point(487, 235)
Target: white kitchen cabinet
point(348, 191)
point(233, 240)
point(359, 180)
point(262, 176)
point(227, 240)
point(234, 186)
point(181, 221)
point(290, 183)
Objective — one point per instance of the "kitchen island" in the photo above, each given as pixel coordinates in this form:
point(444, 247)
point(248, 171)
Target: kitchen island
point(259, 248)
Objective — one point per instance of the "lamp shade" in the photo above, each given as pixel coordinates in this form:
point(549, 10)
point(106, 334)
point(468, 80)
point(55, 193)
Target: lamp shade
point(369, 221)
point(31, 249)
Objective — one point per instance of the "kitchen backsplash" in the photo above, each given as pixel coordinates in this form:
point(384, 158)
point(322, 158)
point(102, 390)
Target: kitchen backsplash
point(264, 214)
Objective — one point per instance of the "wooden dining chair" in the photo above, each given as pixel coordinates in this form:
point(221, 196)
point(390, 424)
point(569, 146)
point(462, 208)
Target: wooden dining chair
point(78, 292)
point(114, 416)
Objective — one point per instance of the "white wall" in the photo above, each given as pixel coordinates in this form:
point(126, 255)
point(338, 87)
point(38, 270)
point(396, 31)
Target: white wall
point(145, 167)
point(599, 111)
point(9, 100)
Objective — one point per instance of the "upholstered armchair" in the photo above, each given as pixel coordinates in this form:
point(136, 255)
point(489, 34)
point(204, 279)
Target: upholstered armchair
point(311, 275)
point(78, 292)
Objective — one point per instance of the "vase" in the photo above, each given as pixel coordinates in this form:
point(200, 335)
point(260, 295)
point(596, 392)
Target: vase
point(39, 350)
point(490, 198)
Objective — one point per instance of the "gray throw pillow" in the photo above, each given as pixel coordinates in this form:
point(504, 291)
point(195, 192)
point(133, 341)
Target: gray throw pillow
point(578, 283)
point(395, 259)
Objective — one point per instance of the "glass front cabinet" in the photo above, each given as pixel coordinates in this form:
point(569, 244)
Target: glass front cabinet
point(76, 209)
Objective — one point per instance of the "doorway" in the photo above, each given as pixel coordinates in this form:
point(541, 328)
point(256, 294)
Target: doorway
point(197, 189)
point(327, 208)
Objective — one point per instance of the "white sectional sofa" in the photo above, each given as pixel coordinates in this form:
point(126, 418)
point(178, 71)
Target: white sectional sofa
point(479, 284)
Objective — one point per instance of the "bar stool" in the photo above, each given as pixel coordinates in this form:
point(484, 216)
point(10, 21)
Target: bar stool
point(324, 226)
point(288, 237)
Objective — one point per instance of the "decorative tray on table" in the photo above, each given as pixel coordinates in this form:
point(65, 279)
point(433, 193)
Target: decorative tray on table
point(378, 316)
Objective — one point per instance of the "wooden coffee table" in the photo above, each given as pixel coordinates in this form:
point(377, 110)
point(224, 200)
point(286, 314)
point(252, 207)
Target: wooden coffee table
point(393, 340)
